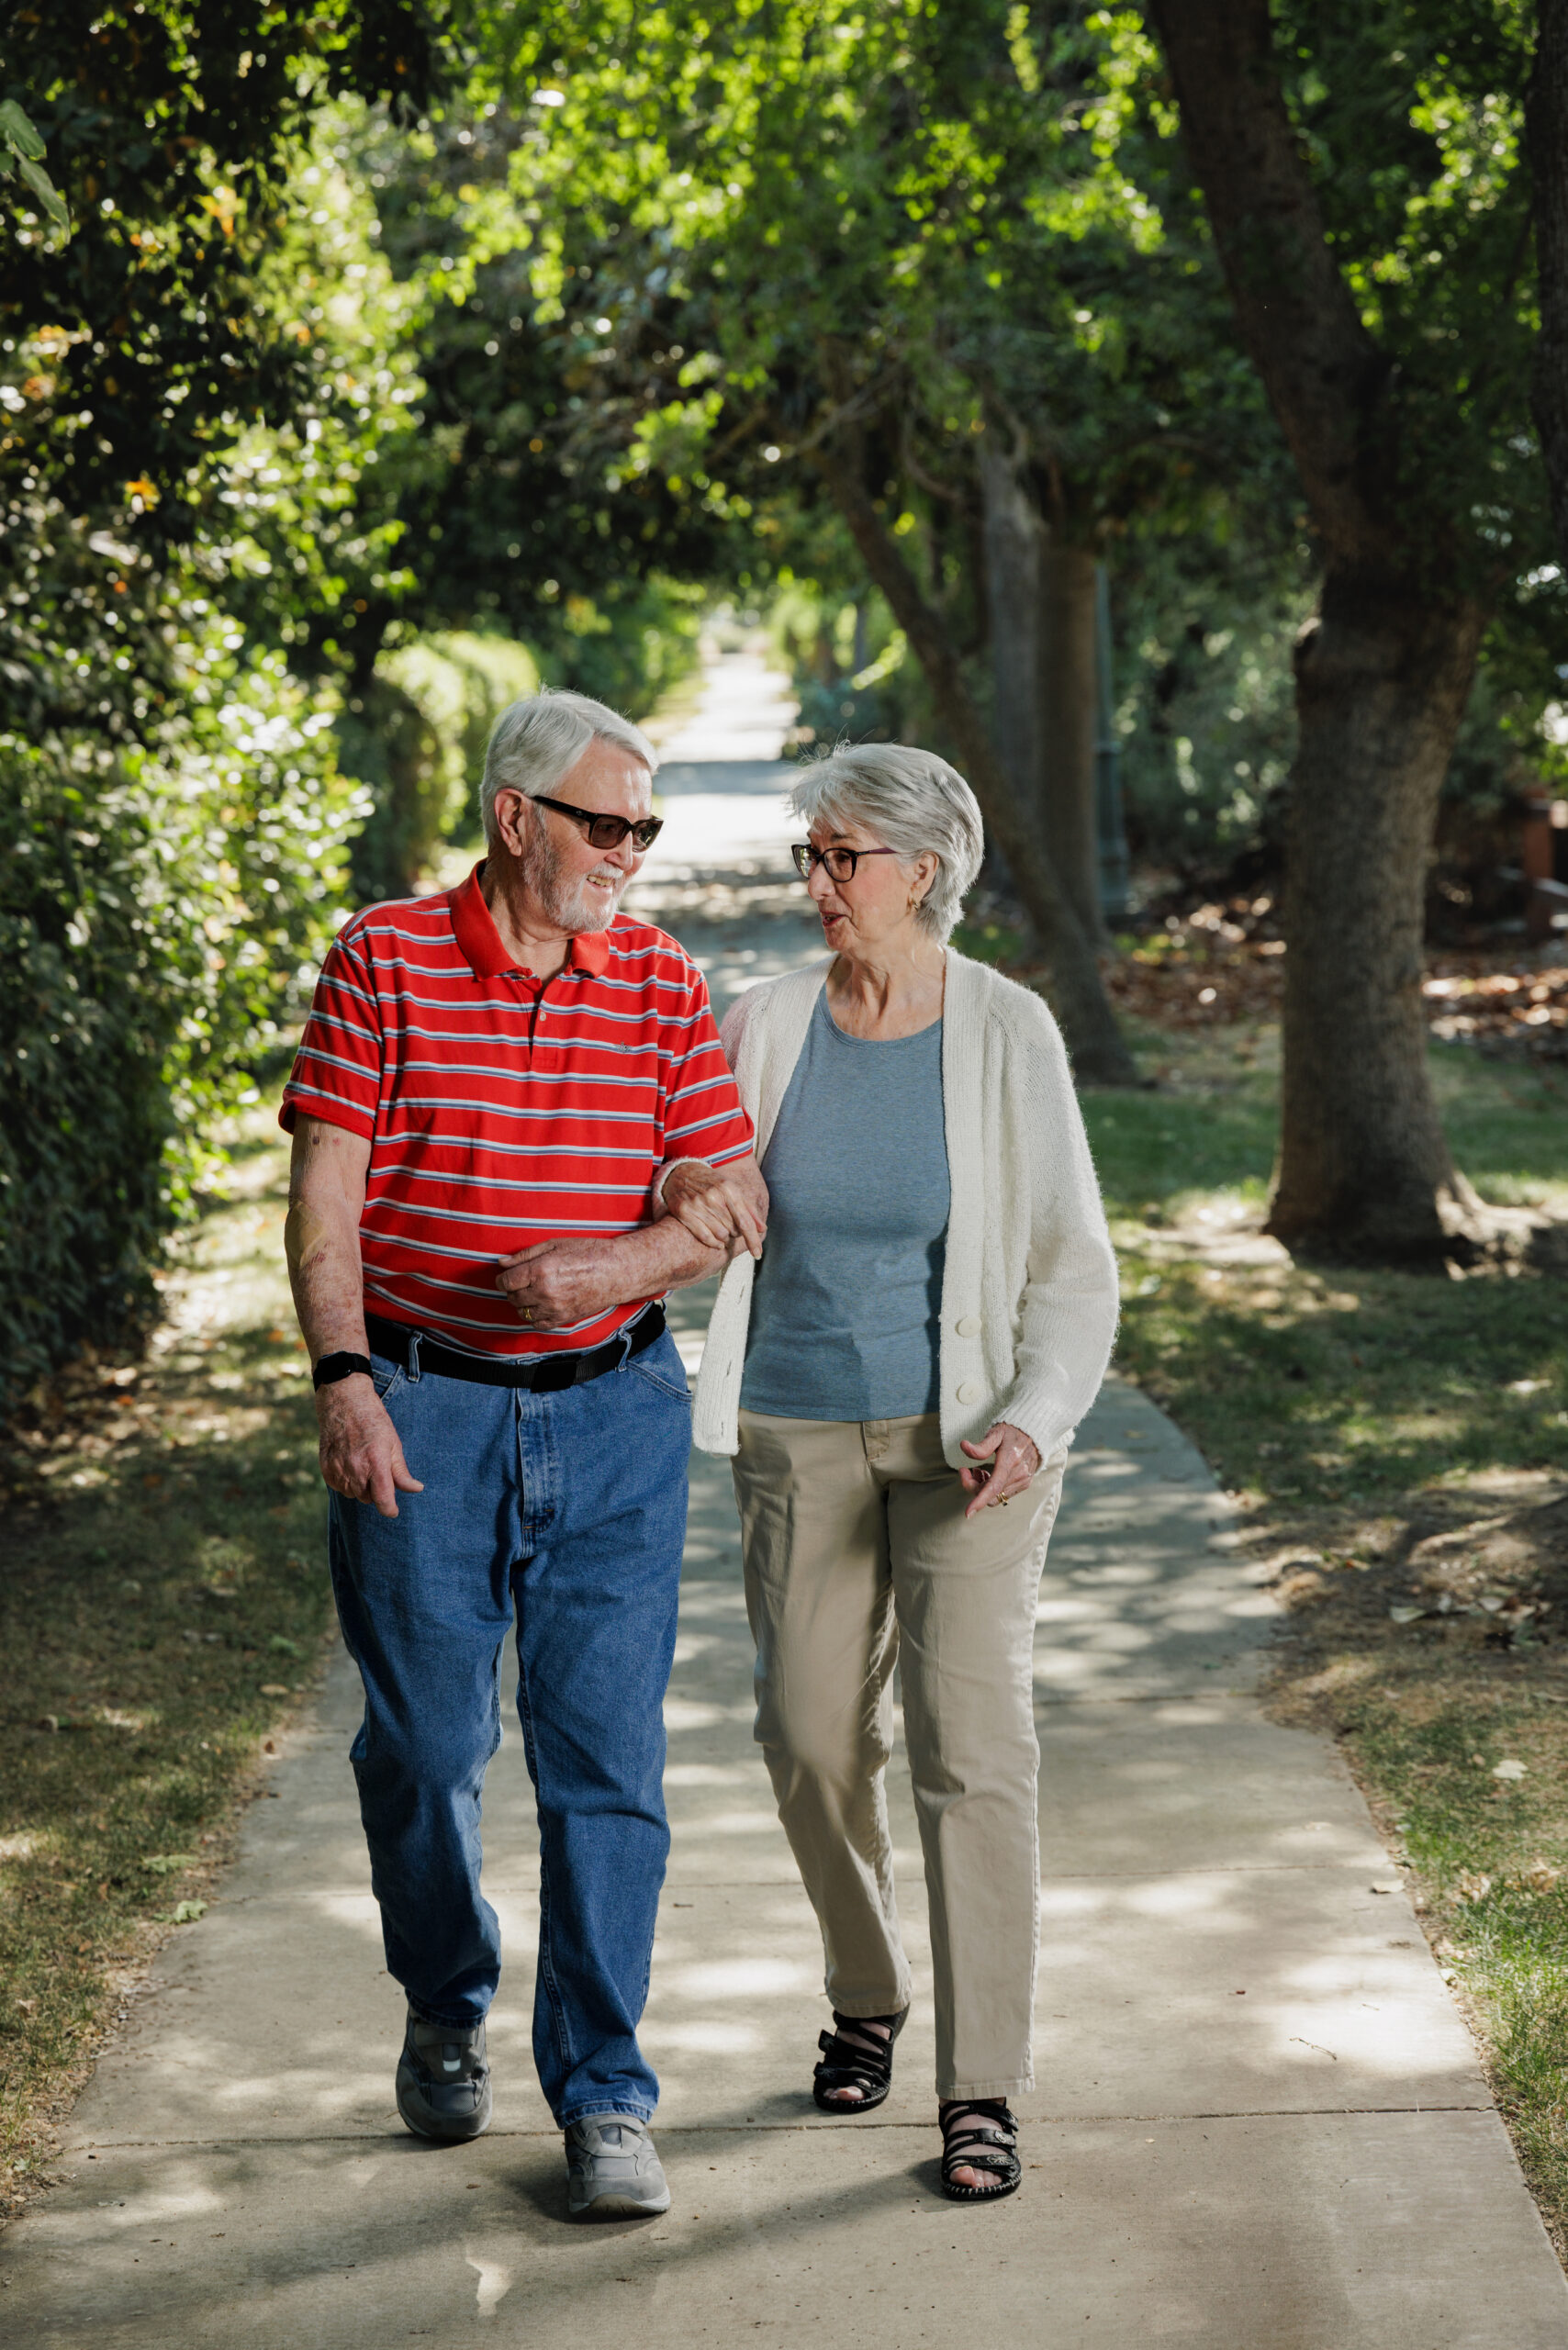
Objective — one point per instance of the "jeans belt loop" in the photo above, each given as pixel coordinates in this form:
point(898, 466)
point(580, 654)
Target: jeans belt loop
point(413, 1357)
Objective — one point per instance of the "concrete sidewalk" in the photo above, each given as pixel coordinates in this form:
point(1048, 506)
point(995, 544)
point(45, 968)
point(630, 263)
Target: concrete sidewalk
point(1259, 2122)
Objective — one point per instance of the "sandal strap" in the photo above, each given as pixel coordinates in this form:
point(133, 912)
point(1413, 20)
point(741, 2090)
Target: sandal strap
point(979, 2134)
point(994, 2112)
point(957, 2149)
point(847, 2066)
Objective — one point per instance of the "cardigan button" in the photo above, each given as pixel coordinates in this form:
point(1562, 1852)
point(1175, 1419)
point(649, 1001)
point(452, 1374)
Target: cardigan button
point(968, 1391)
point(968, 1325)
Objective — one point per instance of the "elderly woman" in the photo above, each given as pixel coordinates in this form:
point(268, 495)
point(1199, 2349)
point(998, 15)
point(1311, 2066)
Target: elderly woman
point(930, 1318)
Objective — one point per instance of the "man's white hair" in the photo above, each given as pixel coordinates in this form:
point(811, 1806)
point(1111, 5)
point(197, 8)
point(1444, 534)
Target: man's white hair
point(538, 740)
point(915, 802)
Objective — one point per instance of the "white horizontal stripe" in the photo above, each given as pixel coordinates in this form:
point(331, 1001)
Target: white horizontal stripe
point(509, 1217)
point(549, 1225)
point(297, 1086)
point(460, 969)
point(334, 1060)
point(551, 1148)
point(493, 1108)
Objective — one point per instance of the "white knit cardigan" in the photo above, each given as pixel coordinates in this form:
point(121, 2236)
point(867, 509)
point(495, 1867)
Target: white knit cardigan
point(1029, 1291)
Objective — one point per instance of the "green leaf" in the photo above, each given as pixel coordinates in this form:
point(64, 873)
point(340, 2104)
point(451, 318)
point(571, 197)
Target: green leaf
point(18, 131)
point(48, 195)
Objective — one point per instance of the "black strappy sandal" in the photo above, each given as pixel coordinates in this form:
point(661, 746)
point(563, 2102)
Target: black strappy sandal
point(991, 2145)
point(845, 2066)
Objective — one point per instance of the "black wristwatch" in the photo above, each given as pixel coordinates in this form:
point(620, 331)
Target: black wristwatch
point(331, 1368)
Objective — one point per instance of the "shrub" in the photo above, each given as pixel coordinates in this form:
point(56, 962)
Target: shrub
point(160, 912)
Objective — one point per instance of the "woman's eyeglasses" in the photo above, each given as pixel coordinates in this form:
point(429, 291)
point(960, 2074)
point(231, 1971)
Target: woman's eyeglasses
point(840, 862)
point(606, 831)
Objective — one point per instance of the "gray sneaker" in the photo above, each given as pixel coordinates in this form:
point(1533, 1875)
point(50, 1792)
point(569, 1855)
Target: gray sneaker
point(443, 2080)
point(613, 2172)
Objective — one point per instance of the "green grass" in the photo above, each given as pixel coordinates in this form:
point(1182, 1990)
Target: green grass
point(164, 1600)
point(1358, 1385)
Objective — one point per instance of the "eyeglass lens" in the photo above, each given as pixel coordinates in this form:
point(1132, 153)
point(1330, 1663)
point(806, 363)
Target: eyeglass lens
point(609, 832)
point(840, 862)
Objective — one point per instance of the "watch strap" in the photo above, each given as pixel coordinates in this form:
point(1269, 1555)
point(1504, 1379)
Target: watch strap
point(330, 1369)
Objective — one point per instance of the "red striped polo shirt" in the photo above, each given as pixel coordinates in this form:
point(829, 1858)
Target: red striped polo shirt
point(503, 1110)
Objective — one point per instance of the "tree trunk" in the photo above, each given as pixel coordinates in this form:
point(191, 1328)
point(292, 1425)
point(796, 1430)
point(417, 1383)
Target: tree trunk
point(1100, 1055)
point(1382, 678)
point(1546, 124)
point(1066, 726)
point(1041, 596)
point(1012, 540)
point(1364, 1168)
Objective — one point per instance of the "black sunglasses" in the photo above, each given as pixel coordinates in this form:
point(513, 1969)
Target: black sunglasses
point(606, 831)
point(840, 862)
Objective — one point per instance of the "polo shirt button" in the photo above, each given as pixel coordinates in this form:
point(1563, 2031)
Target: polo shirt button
point(968, 1325)
point(969, 1392)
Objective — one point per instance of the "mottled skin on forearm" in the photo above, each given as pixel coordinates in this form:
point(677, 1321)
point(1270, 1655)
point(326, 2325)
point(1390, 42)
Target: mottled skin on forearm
point(326, 1198)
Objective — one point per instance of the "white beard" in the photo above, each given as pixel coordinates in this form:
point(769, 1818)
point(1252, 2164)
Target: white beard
point(569, 903)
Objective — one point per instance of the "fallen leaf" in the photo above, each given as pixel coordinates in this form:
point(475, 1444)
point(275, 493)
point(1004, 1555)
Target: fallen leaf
point(1405, 1615)
point(274, 1689)
point(1509, 1769)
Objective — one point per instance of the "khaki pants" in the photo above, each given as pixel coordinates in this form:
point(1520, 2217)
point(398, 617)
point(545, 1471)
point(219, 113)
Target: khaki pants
point(857, 1554)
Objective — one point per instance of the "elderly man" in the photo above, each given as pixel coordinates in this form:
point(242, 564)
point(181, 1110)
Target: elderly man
point(489, 1084)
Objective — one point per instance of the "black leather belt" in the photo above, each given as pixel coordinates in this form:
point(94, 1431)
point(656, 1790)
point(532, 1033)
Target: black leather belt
point(545, 1375)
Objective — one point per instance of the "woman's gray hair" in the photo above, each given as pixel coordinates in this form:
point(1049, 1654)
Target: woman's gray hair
point(537, 740)
point(915, 802)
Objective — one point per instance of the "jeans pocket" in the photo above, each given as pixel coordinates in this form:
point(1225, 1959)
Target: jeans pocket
point(657, 1365)
point(384, 1375)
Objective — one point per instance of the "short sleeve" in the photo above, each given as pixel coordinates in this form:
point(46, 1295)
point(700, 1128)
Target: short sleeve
point(337, 1070)
point(702, 1112)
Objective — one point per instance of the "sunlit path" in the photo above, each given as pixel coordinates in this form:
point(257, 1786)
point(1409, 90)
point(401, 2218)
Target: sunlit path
point(1260, 2119)
point(719, 875)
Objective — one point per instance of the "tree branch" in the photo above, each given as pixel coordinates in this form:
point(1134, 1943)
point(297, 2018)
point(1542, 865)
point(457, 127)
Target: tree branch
point(1325, 377)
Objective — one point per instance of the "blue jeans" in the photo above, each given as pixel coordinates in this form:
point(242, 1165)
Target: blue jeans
point(567, 1513)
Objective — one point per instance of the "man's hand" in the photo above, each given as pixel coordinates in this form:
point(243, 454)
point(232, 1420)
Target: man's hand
point(724, 1208)
point(1011, 1462)
point(559, 1283)
point(360, 1455)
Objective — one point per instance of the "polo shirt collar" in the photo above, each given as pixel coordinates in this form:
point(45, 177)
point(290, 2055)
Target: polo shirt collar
point(481, 942)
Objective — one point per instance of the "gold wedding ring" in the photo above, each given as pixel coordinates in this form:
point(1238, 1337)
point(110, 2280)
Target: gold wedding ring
point(528, 1313)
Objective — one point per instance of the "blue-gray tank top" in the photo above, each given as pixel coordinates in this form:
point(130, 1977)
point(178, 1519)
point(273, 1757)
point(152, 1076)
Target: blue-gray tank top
point(845, 1314)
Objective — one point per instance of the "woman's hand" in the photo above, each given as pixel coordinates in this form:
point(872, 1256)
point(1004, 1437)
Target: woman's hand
point(1011, 1460)
point(724, 1208)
